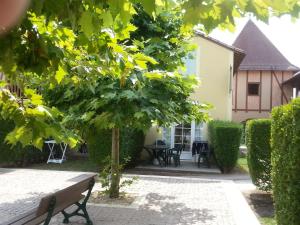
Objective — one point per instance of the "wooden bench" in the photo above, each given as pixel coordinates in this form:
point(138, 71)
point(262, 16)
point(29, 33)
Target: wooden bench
point(57, 202)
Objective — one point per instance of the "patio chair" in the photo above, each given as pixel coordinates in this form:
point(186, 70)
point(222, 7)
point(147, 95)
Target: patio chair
point(175, 154)
point(204, 154)
point(162, 158)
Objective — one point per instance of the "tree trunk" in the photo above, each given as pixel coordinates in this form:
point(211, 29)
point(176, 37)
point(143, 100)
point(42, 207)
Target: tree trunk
point(115, 176)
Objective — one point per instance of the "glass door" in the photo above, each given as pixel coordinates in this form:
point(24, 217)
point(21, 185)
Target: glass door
point(183, 136)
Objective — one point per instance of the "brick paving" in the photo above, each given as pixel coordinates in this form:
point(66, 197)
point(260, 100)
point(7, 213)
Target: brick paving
point(160, 200)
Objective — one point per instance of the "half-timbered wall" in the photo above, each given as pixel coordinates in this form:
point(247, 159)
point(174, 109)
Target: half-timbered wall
point(271, 93)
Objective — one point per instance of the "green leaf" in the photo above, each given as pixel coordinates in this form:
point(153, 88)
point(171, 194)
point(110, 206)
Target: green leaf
point(128, 94)
point(36, 99)
point(2, 83)
point(138, 115)
point(72, 142)
point(60, 74)
point(107, 18)
point(153, 75)
point(149, 6)
point(38, 142)
point(141, 64)
point(143, 57)
point(86, 23)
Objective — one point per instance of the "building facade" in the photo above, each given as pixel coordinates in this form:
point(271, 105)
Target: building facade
point(260, 82)
point(214, 64)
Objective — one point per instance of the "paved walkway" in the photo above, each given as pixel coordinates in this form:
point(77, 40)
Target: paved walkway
point(160, 200)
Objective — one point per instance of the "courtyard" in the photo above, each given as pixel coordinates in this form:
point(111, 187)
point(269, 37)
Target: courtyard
point(158, 200)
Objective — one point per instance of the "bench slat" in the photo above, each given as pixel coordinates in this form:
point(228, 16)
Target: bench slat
point(64, 198)
point(33, 219)
point(38, 220)
point(62, 195)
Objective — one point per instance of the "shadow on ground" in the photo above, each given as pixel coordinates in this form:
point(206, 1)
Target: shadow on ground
point(157, 210)
point(10, 210)
point(261, 202)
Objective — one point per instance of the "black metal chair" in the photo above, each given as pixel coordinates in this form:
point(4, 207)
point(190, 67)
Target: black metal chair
point(204, 154)
point(175, 154)
point(162, 158)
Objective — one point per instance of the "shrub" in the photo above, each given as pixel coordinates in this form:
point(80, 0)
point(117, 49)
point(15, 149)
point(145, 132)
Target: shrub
point(131, 143)
point(17, 155)
point(258, 134)
point(224, 138)
point(99, 145)
point(285, 159)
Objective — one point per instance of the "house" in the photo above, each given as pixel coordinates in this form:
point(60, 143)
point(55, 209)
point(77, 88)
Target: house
point(264, 78)
point(294, 83)
point(214, 64)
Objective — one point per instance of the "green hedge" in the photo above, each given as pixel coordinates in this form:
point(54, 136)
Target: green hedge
point(131, 143)
point(17, 155)
point(285, 158)
point(258, 133)
point(224, 138)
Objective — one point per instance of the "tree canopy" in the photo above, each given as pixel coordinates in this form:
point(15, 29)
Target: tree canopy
point(84, 61)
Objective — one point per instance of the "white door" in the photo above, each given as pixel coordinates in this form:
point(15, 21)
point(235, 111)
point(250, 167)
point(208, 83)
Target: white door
point(183, 134)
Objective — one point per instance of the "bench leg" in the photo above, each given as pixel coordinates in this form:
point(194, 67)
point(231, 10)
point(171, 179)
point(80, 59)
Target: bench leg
point(84, 214)
point(80, 207)
point(50, 210)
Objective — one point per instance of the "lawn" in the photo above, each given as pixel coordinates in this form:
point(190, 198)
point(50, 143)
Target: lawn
point(267, 221)
point(83, 165)
point(242, 165)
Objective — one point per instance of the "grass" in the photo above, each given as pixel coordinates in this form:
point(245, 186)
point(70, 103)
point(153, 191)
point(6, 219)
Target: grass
point(267, 221)
point(83, 165)
point(242, 165)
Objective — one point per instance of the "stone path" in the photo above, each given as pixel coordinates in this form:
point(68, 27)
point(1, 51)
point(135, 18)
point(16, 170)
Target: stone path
point(160, 200)
point(22, 189)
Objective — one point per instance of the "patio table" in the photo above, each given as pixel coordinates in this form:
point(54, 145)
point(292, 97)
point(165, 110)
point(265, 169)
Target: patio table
point(157, 151)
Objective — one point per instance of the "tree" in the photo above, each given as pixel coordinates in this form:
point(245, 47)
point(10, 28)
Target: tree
point(30, 53)
point(110, 92)
point(82, 48)
point(136, 100)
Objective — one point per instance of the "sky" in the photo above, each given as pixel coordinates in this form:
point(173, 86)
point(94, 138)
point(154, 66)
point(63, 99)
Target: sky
point(282, 32)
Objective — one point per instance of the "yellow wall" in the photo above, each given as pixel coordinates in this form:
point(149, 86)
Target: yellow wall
point(214, 63)
point(213, 70)
point(153, 133)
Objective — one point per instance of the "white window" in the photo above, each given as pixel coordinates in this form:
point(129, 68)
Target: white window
point(198, 136)
point(183, 136)
point(190, 62)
